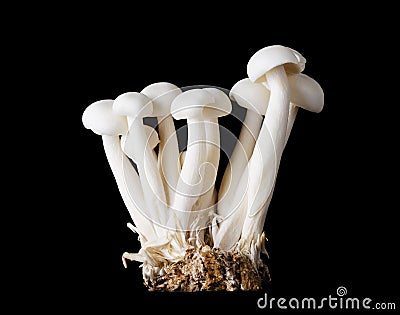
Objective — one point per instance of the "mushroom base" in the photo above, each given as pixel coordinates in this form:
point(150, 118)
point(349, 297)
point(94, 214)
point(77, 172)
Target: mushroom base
point(209, 269)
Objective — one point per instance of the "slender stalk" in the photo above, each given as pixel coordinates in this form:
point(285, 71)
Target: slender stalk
point(168, 156)
point(264, 162)
point(148, 173)
point(125, 177)
point(189, 186)
point(212, 145)
point(292, 117)
point(240, 156)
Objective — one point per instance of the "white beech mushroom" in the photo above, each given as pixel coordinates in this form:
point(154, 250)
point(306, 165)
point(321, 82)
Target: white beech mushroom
point(232, 207)
point(204, 208)
point(189, 105)
point(270, 64)
point(305, 93)
point(221, 107)
point(136, 106)
point(164, 246)
point(162, 94)
point(102, 120)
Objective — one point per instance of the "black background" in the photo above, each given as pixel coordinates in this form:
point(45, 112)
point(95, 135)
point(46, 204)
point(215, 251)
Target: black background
point(331, 221)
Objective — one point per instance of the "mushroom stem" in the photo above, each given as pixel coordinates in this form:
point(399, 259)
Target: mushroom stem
point(241, 153)
point(148, 173)
point(126, 176)
point(293, 109)
point(213, 142)
point(168, 156)
point(137, 146)
point(189, 185)
point(276, 118)
point(162, 95)
point(248, 135)
point(227, 234)
point(212, 145)
point(204, 207)
point(230, 207)
point(232, 204)
point(264, 162)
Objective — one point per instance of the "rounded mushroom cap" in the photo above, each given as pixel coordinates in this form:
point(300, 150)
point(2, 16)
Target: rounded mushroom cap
point(273, 56)
point(190, 104)
point(129, 146)
point(133, 104)
point(306, 93)
point(221, 107)
point(250, 95)
point(103, 120)
point(161, 94)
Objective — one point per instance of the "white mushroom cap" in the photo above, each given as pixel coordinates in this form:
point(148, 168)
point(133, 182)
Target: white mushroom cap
point(102, 120)
point(133, 104)
point(306, 93)
point(252, 96)
point(273, 56)
point(161, 94)
point(221, 107)
point(190, 104)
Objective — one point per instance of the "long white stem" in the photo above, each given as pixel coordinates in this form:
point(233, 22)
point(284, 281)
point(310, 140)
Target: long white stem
point(258, 224)
point(292, 117)
point(276, 118)
point(232, 206)
point(126, 176)
point(238, 161)
point(228, 233)
point(213, 142)
point(189, 186)
point(168, 156)
point(204, 207)
point(148, 173)
point(211, 127)
point(265, 160)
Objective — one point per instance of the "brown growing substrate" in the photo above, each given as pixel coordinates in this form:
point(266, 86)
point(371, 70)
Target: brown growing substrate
point(210, 269)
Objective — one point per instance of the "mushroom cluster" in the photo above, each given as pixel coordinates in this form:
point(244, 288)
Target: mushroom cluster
point(194, 235)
